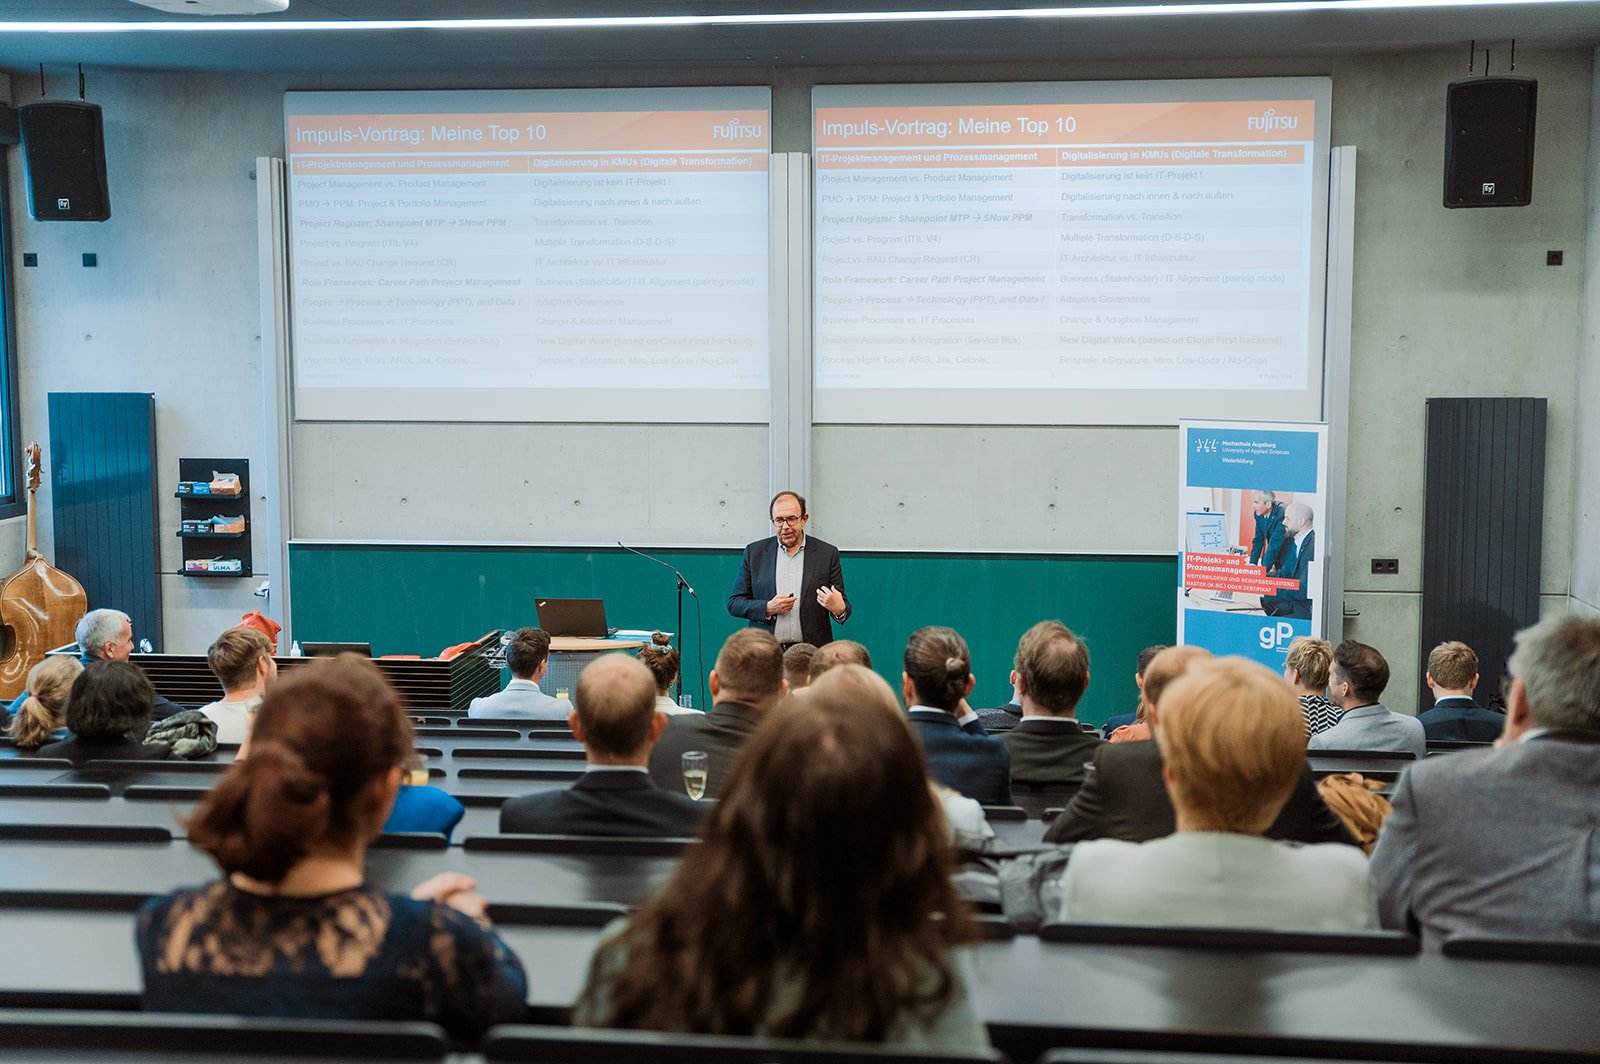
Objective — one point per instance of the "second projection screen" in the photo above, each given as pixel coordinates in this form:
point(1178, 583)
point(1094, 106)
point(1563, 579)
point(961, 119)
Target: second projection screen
point(1070, 253)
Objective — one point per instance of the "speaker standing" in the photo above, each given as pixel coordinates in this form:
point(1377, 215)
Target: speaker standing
point(789, 583)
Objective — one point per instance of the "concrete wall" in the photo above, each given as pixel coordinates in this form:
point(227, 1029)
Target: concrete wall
point(1446, 303)
point(1586, 501)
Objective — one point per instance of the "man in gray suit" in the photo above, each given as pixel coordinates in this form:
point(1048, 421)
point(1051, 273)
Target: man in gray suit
point(1356, 681)
point(1501, 842)
point(529, 659)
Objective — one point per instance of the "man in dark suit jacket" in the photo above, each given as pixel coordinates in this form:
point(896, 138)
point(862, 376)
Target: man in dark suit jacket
point(616, 719)
point(1301, 551)
point(1266, 545)
point(1500, 843)
point(1048, 748)
point(1003, 718)
point(746, 683)
point(1453, 676)
point(1124, 797)
point(791, 584)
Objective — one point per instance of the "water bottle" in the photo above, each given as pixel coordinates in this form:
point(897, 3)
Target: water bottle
point(686, 701)
point(295, 651)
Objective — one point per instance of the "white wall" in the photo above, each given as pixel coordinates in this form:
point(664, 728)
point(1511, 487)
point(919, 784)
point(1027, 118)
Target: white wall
point(1586, 502)
point(1446, 303)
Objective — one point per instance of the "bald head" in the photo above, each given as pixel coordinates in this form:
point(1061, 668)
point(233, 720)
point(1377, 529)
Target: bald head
point(614, 710)
point(1164, 668)
point(1298, 516)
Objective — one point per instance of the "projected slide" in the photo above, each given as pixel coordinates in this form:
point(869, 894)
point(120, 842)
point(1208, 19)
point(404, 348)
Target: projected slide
point(1114, 253)
point(561, 255)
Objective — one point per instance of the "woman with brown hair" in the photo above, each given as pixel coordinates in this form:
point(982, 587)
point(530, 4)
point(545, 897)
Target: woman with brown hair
point(663, 659)
point(818, 903)
point(292, 928)
point(43, 712)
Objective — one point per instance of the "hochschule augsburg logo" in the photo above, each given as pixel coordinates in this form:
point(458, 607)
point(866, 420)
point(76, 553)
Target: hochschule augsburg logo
point(735, 129)
point(1270, 119)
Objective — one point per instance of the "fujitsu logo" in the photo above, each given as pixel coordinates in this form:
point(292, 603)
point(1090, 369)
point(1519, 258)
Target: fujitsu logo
point(1271, 119)
point(735, 129)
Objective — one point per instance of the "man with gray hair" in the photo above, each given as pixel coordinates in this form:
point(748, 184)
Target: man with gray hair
point(1267, 544)
point(107, 635)
point(1501, 842)
point(1299, 550)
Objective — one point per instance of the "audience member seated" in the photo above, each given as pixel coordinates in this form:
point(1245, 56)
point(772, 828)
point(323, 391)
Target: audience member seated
point(1007, 715)
point(1502, 842)
point(839, 652)
point(1356, 680)
point(42, 716)
point(662, 659)
point(1232, 741)
point(107, 635)
point(1453, 676)
point(936, 683)
point(1306, 669)
point(291, 929)
point(107, 714)
point(1123, 796)
point(617, 721)
point(746, 683)
point(1146, 656)
point(528, 657)
point(799, 915)
point(797, 666)
point(241, 659)
point(1172, 667)
point(420, 807)
point(1048, 748)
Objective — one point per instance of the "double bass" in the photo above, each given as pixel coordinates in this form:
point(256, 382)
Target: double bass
point(39, 604)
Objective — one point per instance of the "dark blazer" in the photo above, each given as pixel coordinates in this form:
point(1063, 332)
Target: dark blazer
point(964, 758)
point(1000, 718)
point(719, 733)
point(123, 748)
point(1462, 720)
point(1045, 753)
point(1123, 798)
point(1294, 603)
point(757, 584)
point(617, 802)
point(1267, 544)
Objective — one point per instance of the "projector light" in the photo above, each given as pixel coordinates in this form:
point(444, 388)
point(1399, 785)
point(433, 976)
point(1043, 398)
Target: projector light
point(216, 7)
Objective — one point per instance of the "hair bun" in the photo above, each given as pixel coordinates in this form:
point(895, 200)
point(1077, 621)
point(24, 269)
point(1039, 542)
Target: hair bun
point(955, 666)
point(260, 816)
point(660, 639)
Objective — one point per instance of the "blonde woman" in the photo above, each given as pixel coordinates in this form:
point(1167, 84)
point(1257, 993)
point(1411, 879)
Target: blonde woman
point(44, 711)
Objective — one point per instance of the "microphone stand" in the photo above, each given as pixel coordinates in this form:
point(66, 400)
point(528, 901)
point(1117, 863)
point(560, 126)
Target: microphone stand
point(683, 585)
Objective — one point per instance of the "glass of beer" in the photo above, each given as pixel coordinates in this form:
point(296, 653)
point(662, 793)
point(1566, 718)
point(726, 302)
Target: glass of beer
point(696, 764)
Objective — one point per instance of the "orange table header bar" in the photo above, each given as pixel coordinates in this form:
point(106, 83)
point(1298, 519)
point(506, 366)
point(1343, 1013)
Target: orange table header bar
point(1058, 124)
point(558, 131)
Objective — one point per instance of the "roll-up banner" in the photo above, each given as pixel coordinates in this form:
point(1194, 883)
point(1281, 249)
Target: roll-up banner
point(1250, 499)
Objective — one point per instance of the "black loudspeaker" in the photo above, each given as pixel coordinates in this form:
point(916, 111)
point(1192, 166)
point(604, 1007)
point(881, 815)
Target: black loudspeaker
point(64, 154)
point(1488, 142)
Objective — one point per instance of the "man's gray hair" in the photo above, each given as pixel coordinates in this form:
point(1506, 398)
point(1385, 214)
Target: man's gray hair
point(1558, 661)
point(97, 628)
point(1266, 496)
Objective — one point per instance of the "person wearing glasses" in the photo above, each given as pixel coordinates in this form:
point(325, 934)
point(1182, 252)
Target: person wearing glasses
point(790, 583)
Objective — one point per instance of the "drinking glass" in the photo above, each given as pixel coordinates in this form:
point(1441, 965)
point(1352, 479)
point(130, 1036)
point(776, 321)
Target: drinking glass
point(696, 765)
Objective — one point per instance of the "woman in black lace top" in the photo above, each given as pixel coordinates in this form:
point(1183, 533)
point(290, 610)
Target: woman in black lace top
point(292, 929)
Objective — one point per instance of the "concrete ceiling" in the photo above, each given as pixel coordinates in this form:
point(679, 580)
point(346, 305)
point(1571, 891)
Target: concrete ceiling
point(1167, 37)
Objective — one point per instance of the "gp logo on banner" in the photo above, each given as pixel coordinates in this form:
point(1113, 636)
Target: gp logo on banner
point(1251, 498)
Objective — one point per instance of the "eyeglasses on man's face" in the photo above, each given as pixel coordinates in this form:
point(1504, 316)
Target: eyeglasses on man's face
point(789, 520)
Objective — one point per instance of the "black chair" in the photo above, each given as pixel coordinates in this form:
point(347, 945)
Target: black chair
point(84, 833)
point(432, 722)
point(1440, 745)
point(1478, 947)
point(1039, 801)
point(115, 1036)
point(576, 845)
point(556, 1045)
point(154, 792)
point(515, 722)
point(91, 791)
point(193, 768)
point(1010, 814)
point(1363, 755)
point(410, 840)
point(35, 763)
point(512, 772)
point(476, 734)
point(1362, 943)
point(518, 753)
point(593, 916)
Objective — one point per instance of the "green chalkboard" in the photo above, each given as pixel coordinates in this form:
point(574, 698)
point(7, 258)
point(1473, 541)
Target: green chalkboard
point(420, 599)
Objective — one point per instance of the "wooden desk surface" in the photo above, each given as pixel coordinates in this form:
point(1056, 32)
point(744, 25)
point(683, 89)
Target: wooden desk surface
point(571, 643)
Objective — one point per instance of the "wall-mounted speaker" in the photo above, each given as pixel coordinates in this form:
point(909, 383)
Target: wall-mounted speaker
point(64, 156)
point(1488, 142)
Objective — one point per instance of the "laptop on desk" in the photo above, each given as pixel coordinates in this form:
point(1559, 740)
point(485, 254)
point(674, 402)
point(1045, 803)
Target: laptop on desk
point(585, 618)
point(332, 650)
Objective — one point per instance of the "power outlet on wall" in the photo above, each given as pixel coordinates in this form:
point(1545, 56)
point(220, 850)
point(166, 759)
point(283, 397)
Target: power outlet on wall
point(1386, 566)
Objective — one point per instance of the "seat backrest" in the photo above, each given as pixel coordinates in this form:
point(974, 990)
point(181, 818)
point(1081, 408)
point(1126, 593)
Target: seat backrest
point(1363, 755)
point(55, 790)
point(1366, 943)
point(1513, 949)
point(558, 1045)
point(77, 832)
point(595, 916)
point(34, 764)
point(518, 753)
point(125, 1033)
point(1004, 813)
point(576, 845)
